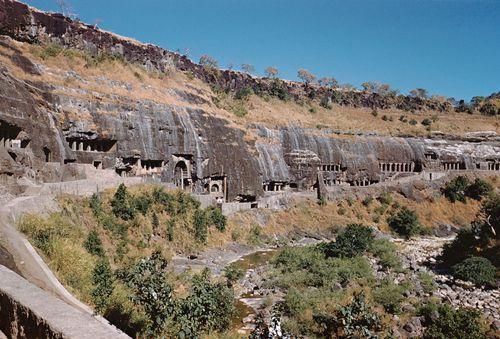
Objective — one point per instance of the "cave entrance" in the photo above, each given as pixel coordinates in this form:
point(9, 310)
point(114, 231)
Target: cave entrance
point(48, 154)
point(181, 175)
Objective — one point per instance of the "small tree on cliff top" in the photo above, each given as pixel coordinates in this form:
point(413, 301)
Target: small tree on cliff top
point(328, 82)
point(306, 76)
point(208, 61)
point(271, 72)
point(247, 68)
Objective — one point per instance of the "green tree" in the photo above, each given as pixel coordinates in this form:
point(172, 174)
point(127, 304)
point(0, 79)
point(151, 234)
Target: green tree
point(200, 226)
point(155, 223)
point(170, 230)
point(404, 222)
point(478, 189)
point(455, 189)
point(121, 204)
point(460, 323)
point(353, 241)
point(478, 270)
point(103, 281)
point(216, 218)
point(208, 307)
point(95, 204)
point(151, 290)
point(93, 243)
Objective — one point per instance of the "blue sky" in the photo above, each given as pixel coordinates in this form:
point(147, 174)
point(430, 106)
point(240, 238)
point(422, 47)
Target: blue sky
point(450, 47)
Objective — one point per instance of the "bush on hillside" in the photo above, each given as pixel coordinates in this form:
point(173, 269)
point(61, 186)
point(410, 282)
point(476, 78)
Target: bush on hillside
point(460, 323)
point(386, 252)
point(150, 290)
point(352, 241)
point(95, 204)
point(478, 189)
point(477, 270)
point(355, 320)
point(216, 218)
point(390, 296)
point(200, 226)
point(404, 222)
point(121, 204)
point(208, 307)
point(93, 243)
point(102, 279)
point(456, 188)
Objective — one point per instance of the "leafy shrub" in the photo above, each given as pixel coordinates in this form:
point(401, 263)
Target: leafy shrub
point(354, 240)
point(151, 290)
point(386, 252)
point(385, 198)
point(161, 197)
point(455, 189)
point(491, 210)
point(478, 270)
point(95, 204)
point(233, 273)
point(121, 204)
point(310, 267)
point(460, 248)
point(200, 226)
point(413, 122)
point(427, 282)
point(478, 189)
point(216, 218)
point(155, 223)
point(243, 93)
point(374, 112)
point(404, 222)
point(390, 296)
point(50, 51)
point(170, 230)
point(356, 320)
point(279, 89)
point(254, 237)
point(460, 323)
point(385, 117)
point(102, 279)
point(208, 307)
point(426, 122)
point(93, 243)
point(367, 201)
point(141, 203)
point(326, 102)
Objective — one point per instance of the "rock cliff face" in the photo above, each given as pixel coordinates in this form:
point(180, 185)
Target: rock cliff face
point(50, 123)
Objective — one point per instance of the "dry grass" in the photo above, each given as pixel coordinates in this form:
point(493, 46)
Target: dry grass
point(307, 217)
point(165, 89)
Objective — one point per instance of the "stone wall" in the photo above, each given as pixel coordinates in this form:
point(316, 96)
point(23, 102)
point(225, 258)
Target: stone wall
point(26, 311)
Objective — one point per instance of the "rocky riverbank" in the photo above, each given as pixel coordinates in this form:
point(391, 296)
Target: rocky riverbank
point(418, 257)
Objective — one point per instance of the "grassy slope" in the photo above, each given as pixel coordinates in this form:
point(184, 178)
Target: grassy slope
point(268, 111)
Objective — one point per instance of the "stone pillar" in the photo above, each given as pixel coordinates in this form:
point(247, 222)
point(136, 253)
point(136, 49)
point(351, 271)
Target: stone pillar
point(80, 146)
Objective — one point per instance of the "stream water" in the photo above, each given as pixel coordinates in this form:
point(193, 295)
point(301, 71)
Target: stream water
point(245, 313)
